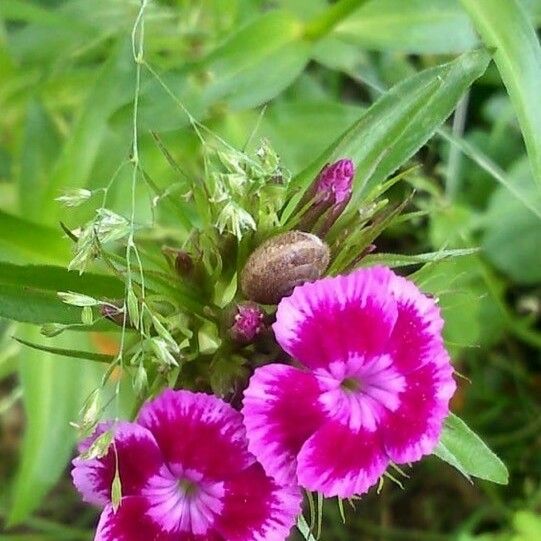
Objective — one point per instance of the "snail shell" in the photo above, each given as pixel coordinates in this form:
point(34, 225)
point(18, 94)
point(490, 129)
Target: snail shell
point(281, 263)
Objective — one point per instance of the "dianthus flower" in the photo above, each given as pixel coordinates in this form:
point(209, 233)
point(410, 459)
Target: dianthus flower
point(373, 386)
point(186, 475)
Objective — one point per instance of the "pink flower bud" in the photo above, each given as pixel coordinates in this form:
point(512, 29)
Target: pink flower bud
point(248, 322)
point(334, 182)
point(329, 195)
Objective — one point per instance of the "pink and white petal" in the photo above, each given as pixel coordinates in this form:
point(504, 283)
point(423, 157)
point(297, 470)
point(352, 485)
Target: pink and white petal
point(131, 522)
point(416, 337)
point(281, 411)
point(198, 432)
point(256, 508)
point(335, 317)
point(337, 461)
point(414, 429)
point(138, 456)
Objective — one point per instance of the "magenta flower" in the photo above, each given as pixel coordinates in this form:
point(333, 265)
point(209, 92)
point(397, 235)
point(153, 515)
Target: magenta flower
point(373, 387)
point(186, 475)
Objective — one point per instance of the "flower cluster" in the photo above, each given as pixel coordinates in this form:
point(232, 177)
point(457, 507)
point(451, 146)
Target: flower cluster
point(359, 380)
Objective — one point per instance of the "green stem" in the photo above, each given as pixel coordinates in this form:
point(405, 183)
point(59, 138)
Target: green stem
point(322, 24)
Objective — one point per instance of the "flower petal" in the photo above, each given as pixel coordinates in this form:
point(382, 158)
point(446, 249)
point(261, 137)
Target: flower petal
point(258, 509)
point(414, 429)
point(281, 411)
point(197, 432)
point(337, 461)
point(138, 456)
point(332, 318)
point(131, 522)
point(416, 337)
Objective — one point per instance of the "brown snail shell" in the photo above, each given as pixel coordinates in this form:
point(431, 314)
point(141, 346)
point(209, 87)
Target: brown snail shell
point(281, 263)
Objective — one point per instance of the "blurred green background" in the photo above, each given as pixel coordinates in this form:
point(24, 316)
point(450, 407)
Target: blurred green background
point(66, 101)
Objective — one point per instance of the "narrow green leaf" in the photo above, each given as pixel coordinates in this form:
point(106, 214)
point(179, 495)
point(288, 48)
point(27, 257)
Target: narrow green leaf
point(41, 145)
point(239, 70)
point(504, 25)
point(398, 123)
point(71, 353)
point(54, 391)
point(25, 241)
point(29, 293)
point(430, 23)
point(399, 260)
point(51, 278)
point(463, 449)
point(20, 303)
point(113, 88)
point(512, 237)
point(242, 64)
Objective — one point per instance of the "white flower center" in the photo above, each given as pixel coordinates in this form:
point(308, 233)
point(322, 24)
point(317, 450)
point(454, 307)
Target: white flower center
point(183, 501)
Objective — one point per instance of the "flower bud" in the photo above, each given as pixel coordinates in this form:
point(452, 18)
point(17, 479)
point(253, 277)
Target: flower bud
point(328, 196)
point(248, 322)
point(180, 260)
point(281, 263)
point(114, 313)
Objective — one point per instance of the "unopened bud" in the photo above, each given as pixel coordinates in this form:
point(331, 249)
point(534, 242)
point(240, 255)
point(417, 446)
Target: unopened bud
point(248, 322)
point(114, 313)
point(328, 196)
point(281, 263)
point(180, 260)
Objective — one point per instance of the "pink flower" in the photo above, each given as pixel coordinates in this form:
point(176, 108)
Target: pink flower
point(186, 475)
point(373, 386)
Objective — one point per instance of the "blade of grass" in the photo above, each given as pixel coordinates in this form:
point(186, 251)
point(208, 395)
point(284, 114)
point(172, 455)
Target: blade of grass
point(505, 26)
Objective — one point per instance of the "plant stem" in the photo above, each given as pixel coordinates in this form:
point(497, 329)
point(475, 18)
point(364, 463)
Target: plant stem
point(321, 25)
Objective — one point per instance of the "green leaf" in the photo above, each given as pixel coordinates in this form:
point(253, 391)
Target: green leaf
point(398, 123)
point(415, 26)
point(71, 353)
point(25, 241)
point(55, 279)
point(512, 236)
point(399, 260)
point(24, 11)
point(242, 64)
point(236, 73)
point(54, 391)
point(40, 148)
point(35, 306)
point(300, 120)
point(504, 25)
point(29, 293)
point(113, 87)
point(463, 449)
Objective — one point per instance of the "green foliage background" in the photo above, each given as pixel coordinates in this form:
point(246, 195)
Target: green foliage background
point(304, 72)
